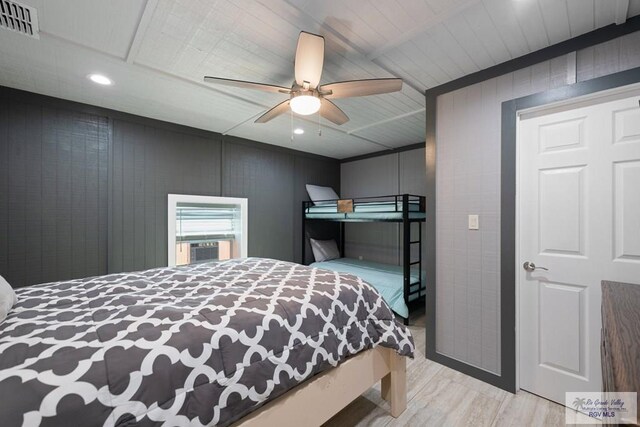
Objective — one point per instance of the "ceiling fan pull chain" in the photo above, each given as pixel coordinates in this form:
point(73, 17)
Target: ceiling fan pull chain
point(319, 126)
point(291, 115)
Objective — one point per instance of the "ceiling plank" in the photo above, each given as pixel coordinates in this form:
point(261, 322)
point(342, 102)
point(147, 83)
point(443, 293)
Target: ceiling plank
point(529, 16)
point(581, 16)
point(250, 119)
point(421, 28)
point(447, 43)
point(143, 24)
point(407, 66)
point(478, 20)
point(556, 19)
point(504, 18)
point(622, 9)
point(390, 119)
point(468, 42)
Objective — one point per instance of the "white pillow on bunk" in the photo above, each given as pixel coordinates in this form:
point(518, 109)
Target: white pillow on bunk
point(7, 298)
point(322, 195)
point(324, 250)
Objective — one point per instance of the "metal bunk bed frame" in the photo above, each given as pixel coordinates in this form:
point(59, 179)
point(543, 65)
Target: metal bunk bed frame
point(406, 221)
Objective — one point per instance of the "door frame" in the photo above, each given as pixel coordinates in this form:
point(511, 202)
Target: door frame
point(509, 232)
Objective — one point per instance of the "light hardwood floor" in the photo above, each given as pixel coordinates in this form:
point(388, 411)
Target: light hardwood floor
point(439, 396)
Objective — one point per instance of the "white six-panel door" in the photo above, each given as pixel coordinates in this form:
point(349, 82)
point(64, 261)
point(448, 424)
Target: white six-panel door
point(578, 217)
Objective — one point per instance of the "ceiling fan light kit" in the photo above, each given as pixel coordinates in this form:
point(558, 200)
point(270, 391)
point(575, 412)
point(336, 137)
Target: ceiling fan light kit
point(306, 95)
point(304, 103)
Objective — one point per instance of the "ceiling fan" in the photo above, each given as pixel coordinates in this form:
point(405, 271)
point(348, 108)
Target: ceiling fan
point(306, 95)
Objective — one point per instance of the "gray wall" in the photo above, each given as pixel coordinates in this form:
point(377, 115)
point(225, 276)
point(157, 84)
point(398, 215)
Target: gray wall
point(312, 171)
point(147, 164)
point(53, 192)
point(396, 173)
point(267, 179)
point(468, 182)
point(83, 190)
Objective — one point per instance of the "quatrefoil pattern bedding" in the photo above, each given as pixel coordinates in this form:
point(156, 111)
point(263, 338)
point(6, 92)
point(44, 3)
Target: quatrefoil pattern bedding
point(194, 345)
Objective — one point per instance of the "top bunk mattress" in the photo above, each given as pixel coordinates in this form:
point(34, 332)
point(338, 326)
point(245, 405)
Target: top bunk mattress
point(373, 211)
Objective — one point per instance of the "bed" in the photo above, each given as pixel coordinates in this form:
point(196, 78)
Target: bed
point(204, 344)
point(385, 278)
point(402, 287)
point(201, 345)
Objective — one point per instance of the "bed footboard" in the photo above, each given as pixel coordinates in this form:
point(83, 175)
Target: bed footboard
point(315, 401)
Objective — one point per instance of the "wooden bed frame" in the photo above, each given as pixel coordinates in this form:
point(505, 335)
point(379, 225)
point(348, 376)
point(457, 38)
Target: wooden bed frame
point(314, 402)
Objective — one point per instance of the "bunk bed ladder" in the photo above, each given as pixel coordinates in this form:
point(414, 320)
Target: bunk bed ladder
point(304, 235)
point(406, 254)
point(406, 250)
point(342, 240)
point(420, 282)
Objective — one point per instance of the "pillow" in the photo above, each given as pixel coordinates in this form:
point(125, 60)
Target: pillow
point(7, 298)
point(324, 250)
point(318, 194)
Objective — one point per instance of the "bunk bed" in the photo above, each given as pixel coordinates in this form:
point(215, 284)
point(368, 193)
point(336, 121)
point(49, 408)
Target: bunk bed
point(401, 286)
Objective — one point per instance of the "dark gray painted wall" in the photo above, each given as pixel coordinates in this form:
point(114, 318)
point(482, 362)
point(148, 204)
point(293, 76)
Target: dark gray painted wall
point(149, 163)
point(312, 171)
point(266, 178)
point(83, 190)
point(53, 193)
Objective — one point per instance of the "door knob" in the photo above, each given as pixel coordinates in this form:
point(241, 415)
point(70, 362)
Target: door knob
point(529, 266)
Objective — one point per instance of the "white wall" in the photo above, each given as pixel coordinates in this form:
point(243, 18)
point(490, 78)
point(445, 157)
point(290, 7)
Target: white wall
point(468, 182)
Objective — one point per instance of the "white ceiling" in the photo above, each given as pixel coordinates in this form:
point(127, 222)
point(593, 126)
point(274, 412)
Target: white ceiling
point(157, 52)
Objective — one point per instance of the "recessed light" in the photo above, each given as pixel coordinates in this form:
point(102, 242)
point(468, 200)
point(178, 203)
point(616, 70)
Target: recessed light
point(298, 131)
point(100, 79)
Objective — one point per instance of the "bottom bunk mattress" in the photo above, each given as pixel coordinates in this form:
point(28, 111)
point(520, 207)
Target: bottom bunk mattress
point(387, 279)
point(193, 345)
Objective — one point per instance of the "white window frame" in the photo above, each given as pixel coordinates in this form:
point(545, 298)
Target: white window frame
point(174, 199)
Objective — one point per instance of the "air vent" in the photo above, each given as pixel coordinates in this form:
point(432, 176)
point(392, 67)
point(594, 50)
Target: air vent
point(19, 18)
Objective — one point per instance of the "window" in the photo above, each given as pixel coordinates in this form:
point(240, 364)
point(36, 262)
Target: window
point(205, 228)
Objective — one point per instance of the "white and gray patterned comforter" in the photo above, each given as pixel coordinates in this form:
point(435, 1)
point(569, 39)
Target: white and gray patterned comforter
point(195, 345)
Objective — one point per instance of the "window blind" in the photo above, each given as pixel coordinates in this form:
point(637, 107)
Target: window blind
point(196, 223)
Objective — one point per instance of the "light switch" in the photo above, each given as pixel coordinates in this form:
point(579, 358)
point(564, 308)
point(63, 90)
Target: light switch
point(474, 222)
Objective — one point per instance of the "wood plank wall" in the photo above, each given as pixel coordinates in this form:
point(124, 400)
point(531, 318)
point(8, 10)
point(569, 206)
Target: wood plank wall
point(83, 190)
point(147, 164)
point(53, 193)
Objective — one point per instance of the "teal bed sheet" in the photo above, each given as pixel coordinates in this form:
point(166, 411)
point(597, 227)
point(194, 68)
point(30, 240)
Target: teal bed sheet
point(365, 211)
point(386, 278)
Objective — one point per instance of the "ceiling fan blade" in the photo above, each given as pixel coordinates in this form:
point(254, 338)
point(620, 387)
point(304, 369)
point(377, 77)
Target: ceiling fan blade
point(247, 85)
point(353, 88)
point(309, 59)
point(279, 109)
point(331, 112)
